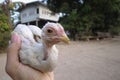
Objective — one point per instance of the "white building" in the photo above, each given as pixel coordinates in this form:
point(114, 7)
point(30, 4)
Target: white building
point(37, 13)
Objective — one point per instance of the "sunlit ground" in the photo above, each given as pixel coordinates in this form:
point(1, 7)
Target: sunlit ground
point(82, 60)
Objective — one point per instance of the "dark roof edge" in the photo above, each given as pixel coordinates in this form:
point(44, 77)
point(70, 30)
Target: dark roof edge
point(31, 3)
point(36, 2)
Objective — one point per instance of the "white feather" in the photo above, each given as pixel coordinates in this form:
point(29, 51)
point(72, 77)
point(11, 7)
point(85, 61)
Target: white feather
point(32, 52)
point(36, 31)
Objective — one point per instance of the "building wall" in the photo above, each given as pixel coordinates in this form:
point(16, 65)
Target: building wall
point(37, 12)
point(29, 14)
point(47, 14)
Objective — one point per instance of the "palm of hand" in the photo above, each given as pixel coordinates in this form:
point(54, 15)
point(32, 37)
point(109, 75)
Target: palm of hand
point(24, 72)
point(17, 70)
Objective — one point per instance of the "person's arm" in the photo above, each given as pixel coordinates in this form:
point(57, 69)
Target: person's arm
point(19, 71)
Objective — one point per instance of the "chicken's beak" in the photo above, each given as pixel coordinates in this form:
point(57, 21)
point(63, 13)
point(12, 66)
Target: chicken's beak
point(64, 38)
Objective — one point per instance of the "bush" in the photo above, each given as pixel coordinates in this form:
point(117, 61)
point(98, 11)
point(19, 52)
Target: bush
point(4, 39)
point(115, 30)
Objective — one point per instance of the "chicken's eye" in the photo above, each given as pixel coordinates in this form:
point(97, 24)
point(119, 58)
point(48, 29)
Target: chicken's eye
point(49, 31)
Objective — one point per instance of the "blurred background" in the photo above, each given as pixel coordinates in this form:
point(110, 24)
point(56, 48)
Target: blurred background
point(82, 19)
point(92, 25)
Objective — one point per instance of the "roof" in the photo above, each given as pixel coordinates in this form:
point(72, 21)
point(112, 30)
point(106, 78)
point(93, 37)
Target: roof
point(36, 3)
point(33, 3)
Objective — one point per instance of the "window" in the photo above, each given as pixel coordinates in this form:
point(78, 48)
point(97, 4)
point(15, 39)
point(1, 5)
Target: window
point(37, 10)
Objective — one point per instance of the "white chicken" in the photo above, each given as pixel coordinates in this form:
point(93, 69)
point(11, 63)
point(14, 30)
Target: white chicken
point(38, 46)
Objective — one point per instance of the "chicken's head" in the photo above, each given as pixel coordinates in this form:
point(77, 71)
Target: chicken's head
point(53, 33)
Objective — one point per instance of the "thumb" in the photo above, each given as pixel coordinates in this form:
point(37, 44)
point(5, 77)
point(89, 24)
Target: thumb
point(13, 49)
point(15, 44)
point(12, 52)
point(15, 38)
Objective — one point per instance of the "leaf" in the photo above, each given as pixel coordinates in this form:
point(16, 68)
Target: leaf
point(16, 5)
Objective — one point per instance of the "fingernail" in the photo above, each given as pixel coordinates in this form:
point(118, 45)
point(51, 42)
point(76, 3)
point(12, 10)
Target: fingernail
point(15, 37)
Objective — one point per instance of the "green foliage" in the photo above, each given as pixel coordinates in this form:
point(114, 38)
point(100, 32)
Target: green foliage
point(90, 16)
point(3, 22)
point(115, 30)
point(63, 5)
point(4, 39)
point(16, 5)
point(4, 30)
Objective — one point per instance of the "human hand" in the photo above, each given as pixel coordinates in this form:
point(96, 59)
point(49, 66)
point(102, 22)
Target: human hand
point(19, 71)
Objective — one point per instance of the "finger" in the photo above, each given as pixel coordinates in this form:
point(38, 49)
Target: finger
point(15, 38)
point(13, 49)
point(15, 43)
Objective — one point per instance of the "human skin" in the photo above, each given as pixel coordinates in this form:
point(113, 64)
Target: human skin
point(18, 71)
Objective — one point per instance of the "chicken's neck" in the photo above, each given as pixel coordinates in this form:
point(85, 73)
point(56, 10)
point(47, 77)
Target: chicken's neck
point(46, 48)
point(48, 44)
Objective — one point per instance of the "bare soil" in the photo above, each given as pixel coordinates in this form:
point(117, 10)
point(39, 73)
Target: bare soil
point(82, 60)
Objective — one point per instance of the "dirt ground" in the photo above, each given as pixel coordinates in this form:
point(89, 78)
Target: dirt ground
point(82, 60)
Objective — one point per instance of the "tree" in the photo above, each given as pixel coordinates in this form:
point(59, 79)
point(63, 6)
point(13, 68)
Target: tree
point(69, 9)
point(6, 11)
point(3, 20)
point(6, 24)
point(107, 12)
point(92, 16)
point(9, 8)
point(4, 29)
